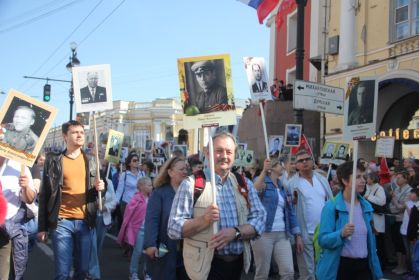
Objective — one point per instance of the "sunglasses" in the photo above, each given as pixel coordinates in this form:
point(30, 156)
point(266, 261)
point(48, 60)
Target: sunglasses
point(304, 160)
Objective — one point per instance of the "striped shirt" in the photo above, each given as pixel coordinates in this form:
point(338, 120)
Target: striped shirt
point(182, 209)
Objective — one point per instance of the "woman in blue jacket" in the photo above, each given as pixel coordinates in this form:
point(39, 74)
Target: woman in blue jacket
point(342, 257)
point(163, 266)
point(281, 222)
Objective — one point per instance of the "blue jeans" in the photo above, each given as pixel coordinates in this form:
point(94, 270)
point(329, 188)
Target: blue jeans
point(32, 230)
point(71, 242)
point(136, 253)
point(96, 249)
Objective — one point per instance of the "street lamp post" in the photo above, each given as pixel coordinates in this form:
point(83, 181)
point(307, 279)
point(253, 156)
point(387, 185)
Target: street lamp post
point(299, 53)
point(74, 61)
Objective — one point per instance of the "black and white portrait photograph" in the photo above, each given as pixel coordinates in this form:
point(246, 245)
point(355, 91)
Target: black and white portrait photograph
point(84, 119)
point(360, 108)
point(342, 151)
point(242, 146)
point(249, 158)
point(328, 150)
point(361, 103)
point(114, 146)
point(292, 135)
point(275, 145)
point(206, 91)
point(206, 85)
point(148, 145)
point(92, 88)
point(257, 78)
point(182, 148)
point(25, 122)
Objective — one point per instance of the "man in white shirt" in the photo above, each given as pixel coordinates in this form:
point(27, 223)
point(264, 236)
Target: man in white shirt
point(310, 192)
point(16, 188)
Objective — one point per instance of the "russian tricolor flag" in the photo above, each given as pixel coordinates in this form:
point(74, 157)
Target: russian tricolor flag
point(263, 7)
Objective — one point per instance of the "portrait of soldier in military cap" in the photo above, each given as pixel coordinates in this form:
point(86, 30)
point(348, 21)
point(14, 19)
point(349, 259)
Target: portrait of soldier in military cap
point(24, 125)
point(209, 89)
point(19, 133)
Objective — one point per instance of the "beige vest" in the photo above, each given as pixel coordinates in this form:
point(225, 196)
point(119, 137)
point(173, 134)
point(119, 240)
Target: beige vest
point(197, 256)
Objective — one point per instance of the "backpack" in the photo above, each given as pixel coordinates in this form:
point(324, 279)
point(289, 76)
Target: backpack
point(317, 248)
point(199, 186)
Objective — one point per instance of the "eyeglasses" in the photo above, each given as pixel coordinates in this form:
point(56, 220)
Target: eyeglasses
point(135, 160)
point(304, 160)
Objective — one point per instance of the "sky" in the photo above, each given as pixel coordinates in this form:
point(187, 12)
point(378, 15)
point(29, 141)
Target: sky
point(141, 40)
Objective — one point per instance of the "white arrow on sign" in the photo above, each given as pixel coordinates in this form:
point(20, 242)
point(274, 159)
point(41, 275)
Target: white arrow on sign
point(318, 97)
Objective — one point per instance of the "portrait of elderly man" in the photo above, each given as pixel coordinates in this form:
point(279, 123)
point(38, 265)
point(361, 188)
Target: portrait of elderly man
point(211, 91)
point(19, 133)
point(92, 93)
point(259, 85)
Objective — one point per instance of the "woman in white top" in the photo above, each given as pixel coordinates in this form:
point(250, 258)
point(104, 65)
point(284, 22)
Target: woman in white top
point(376, 195)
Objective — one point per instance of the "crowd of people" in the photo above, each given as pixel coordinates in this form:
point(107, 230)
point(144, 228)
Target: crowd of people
point(285, 216)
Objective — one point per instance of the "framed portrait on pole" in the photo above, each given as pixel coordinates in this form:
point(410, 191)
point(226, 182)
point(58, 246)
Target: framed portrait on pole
point(360, 109)
point(292, 135)
point(25, 123)
point(92, 88)
point(114, 146)
point(206, 91)
point(257, 78)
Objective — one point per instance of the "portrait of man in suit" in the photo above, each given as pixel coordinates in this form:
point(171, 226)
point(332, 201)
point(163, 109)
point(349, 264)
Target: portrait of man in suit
point(259, 85)
point(92, 93)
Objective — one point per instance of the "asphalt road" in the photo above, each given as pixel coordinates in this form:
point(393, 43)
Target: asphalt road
point(114, 266)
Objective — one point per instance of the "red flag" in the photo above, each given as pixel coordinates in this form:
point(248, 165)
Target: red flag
point(384, 172)
point(286, 7)
point(304, 145)
point(265, 8)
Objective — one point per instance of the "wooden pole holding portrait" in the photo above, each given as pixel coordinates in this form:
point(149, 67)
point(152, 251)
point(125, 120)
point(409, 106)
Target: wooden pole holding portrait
point(97, 160)
point(214, 186)
point(265, 134)
point(353, 187)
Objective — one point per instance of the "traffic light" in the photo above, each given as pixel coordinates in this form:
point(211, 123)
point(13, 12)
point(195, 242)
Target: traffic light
point(47, 93)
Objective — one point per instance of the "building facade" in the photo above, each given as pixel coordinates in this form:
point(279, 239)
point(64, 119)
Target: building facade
point(379, 39)
point(158, 120)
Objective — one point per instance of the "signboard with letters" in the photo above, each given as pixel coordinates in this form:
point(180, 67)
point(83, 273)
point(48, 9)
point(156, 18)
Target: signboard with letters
point(318, 97)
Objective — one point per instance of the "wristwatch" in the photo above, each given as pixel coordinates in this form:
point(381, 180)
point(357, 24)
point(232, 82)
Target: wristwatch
point(238, 235)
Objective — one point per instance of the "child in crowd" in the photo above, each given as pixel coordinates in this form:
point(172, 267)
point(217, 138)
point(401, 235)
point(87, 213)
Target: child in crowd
point(132, 229)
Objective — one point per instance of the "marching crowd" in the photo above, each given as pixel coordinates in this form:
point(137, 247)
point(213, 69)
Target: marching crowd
point(286, 215)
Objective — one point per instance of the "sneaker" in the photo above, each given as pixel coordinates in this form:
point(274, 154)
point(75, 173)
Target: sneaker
point(147, 277)
point(134, 276)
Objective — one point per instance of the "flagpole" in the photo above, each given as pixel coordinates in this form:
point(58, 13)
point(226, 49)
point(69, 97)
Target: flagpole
point(262, 114)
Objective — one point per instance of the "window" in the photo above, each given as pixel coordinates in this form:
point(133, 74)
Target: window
point(292, 31)
point(405, 19)
point(290, 76)
point(140, 135)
